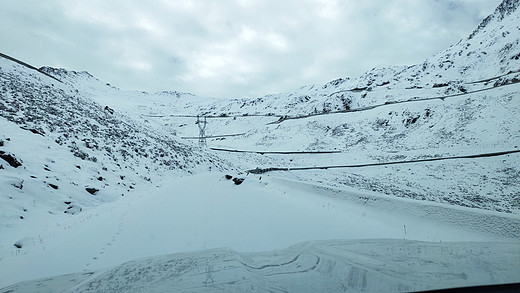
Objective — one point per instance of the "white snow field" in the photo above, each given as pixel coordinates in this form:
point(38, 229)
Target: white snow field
point(105, 190)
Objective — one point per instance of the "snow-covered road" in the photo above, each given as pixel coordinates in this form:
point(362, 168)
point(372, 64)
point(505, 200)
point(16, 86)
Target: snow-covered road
point(207, 211)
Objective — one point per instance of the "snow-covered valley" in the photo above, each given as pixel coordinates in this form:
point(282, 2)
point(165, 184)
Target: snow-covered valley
point(403, 179)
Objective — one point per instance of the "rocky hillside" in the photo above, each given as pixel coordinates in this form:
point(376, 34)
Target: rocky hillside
point(61, 152)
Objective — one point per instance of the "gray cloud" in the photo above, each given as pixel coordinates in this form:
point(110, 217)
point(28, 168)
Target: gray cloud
point(232, 48)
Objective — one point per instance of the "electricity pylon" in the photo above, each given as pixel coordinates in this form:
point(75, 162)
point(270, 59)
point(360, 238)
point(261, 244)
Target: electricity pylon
point(202, 131)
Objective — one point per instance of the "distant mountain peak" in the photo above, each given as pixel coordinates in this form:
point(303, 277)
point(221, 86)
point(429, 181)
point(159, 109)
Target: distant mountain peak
point(507, 7)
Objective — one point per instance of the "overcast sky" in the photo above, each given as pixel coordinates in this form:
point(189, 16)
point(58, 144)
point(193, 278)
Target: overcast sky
point(232, 48)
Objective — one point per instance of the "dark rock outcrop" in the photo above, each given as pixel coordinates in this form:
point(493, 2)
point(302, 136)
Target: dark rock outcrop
point(91, 190)
point(10, 159)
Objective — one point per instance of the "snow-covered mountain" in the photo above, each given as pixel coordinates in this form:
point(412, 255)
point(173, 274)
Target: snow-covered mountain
point(92, 176)
point(462, 101)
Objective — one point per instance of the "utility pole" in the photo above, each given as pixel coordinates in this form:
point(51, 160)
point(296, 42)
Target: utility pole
point(202, 131)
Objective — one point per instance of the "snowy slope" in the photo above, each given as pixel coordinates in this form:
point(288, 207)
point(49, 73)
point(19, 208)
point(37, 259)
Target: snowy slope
point(68, 117)
point(61, 153)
